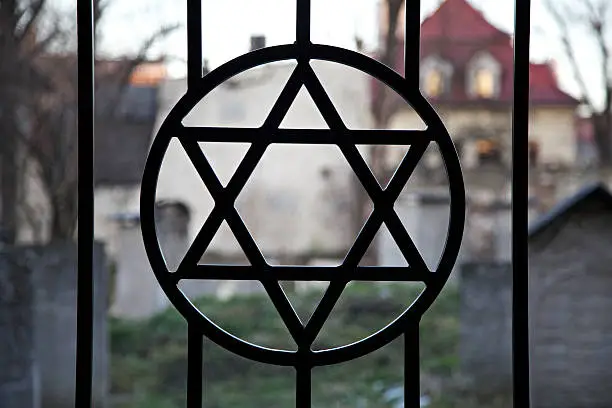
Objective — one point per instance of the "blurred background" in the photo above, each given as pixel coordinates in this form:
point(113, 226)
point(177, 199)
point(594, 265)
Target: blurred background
point(303, 204)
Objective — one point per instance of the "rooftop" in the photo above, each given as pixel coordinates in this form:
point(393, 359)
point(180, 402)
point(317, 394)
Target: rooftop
point(456, 32)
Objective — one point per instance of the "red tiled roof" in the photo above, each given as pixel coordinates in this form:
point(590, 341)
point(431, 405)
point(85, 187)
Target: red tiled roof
point(460, 21)
point(543, 86)
point(456, 32)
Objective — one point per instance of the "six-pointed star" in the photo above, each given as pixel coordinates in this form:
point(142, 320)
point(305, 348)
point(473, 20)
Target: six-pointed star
point(346, 140)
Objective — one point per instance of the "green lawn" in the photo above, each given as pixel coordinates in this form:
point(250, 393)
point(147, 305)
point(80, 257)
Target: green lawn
point(149, 357)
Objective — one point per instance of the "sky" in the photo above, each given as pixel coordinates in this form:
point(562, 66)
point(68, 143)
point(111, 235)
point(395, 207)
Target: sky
point(228, 25)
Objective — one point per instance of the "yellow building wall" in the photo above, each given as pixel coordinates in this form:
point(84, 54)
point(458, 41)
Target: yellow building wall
point(552, 128)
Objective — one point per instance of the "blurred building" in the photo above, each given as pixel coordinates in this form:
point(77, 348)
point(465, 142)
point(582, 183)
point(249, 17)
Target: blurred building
point(299, 204)
point(570, 286)
point(466, 73)
point(121, 147)
point(126, 108)
point(569, 304)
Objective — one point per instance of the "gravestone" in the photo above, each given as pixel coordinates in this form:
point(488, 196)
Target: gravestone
point(54, 273)
point(486, 326)
point(17, 368)
point(137, 294)
point(38, 315)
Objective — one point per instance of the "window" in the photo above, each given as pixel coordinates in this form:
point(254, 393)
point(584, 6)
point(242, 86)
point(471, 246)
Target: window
point(434, 83)
point(436, 74)
point(489, 152)
point(484, 84)
point(483, 77)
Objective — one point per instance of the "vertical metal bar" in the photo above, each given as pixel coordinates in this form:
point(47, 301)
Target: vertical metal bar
point(194, 41)
point(303, 22)
point(520, 203)
point(195, 346)
point(412, 374)
point(303, 392)
point(412, 42)
point(84, 348)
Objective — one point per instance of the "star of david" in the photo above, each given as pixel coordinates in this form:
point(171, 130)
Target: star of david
point(347, 140)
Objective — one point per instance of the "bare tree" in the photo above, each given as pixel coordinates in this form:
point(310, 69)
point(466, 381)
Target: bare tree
point(19, 45)
point(38, 106)
point(593, 18)
point(384, 104)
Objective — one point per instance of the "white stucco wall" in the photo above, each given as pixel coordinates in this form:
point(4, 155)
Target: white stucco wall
point(288, 204)
point(554, 130)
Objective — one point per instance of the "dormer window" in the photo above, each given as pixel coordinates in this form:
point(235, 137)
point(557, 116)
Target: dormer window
point(484, 84)
point(434, 83)
point(436, 75)
point(483, 77)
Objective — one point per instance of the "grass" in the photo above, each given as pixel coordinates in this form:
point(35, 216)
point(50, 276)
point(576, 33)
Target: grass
point(149, 358)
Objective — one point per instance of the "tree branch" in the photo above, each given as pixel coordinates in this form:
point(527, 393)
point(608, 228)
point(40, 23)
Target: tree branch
point(568, 49)
point(34, 10)
point(122, 77)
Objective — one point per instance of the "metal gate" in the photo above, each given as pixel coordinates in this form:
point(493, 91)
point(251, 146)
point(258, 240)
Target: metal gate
point(304, 359)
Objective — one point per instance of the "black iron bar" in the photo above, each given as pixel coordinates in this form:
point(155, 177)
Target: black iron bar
point(412, 374)
point(84, 348)
point(195, 355)
point(303, 22)
point(412, 43)
point(520, 198)
point(305, 273)
point(194, 42)
point(304, 136)
point(303, 391)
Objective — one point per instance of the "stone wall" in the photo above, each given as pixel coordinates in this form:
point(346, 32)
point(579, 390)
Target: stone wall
point(48, 344)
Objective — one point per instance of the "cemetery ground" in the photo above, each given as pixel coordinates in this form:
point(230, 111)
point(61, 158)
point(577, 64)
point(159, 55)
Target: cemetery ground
point(149, 358)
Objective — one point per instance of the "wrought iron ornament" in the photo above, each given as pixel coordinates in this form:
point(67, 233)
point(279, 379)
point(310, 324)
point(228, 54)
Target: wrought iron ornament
point(304, 333)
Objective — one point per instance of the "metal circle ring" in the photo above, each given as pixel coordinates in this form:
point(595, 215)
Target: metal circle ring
point(172, 124)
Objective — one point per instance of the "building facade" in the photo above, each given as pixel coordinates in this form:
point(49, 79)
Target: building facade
point(466, 73)
point(299, 202)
